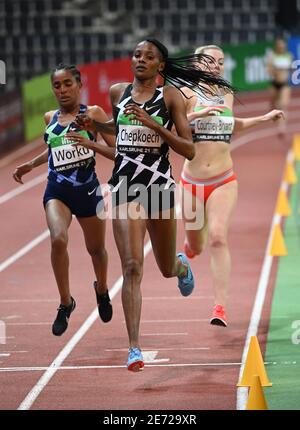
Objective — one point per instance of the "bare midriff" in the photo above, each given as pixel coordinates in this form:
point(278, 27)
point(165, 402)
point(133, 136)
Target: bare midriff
point(211, 159)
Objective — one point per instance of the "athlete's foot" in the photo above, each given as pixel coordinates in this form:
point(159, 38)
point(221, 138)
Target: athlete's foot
point(61, 322)
point(218, 316)
point(186, 282)
point(104, 305)
point(135, 361)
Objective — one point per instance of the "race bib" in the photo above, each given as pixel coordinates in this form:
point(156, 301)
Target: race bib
point(214, 127)
point(133, 136)
point(66, 156)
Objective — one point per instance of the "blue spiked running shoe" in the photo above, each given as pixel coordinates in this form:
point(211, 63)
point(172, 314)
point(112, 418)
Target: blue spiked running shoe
point(186, 283)
point(135, 360)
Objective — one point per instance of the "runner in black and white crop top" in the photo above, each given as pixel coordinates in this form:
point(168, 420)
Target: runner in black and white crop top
point(142, 156)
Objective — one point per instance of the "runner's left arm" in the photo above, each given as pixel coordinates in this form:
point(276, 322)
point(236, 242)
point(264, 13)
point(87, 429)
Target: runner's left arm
point(241, 124)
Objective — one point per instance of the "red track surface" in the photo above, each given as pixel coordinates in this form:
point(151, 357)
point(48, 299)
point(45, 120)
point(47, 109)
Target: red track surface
point(203, 361)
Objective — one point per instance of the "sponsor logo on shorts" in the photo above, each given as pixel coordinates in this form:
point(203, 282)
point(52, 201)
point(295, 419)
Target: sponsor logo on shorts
point(91, 192)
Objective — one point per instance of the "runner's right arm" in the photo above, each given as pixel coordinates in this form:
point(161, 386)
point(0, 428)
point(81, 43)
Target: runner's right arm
point(85, 122)
point(29, 165)
point(35, 162)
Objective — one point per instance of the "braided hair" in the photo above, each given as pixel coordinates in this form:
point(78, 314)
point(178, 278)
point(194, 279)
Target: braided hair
point(68, 68)
point(185, 71)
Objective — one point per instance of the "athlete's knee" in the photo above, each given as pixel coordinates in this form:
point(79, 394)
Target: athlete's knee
point(133, 268)
point(217, 238)
point(59, 242)
point(97, 251)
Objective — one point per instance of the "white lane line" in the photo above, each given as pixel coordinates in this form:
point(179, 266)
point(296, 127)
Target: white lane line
point(120, 366)
point(56, 363)
point(164, 334)
point(11, 317)
point(179, 297)
point(9, 261)
point(242, 392)
point(19, 152)
point(30, 323)
point(150, 357)
point(28, 300)
point(22, 188)
point(162, 349)
point(116, 366)
point(173, 321)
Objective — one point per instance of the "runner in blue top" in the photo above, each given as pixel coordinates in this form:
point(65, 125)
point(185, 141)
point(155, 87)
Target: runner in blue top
point(72, 189)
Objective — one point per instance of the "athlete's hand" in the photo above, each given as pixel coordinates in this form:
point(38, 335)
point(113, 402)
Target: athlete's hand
point(274, 115)
point(78, 140)
point(209, 111)
point(84, 122)
point(20, 171)
point(139, 114)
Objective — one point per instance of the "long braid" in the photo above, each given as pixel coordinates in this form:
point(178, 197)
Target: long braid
point(185, 71)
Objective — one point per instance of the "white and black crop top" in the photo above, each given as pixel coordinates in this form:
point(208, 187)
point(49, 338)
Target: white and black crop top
point(217, 127)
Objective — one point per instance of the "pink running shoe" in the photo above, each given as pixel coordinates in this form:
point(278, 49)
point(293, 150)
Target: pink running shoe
point(219, 316)
point(188, 251)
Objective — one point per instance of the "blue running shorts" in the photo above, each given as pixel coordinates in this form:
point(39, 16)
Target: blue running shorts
point(83, 201)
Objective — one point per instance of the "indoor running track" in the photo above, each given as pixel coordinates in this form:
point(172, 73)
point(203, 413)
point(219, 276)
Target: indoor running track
point(190, 364)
